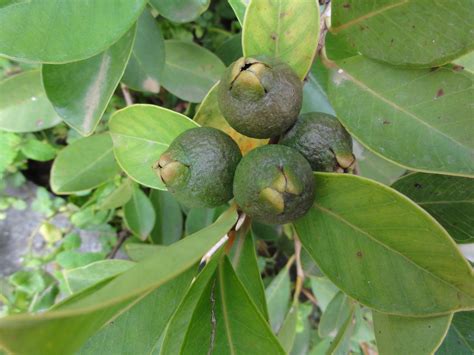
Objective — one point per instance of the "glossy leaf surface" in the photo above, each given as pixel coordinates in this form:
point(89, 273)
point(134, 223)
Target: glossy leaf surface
point(169, 218)
point(23, 104)
point(140, 134)
point(460, 337)
point(406, 32)
point(389, 109)
point(449, 199)
point(286, 30)
point(64, 31)
point(147, 60)
point(84, 164)
point(80, 91)
point(190, 70)
point(372, 242)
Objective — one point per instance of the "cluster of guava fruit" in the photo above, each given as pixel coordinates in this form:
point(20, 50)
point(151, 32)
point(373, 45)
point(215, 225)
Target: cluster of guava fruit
point(260, 98)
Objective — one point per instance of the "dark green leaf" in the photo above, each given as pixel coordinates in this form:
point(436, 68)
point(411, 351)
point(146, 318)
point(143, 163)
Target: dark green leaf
point(372, 243)
point(83, 165)
point(389, 109)
point(137, 330)
point(140, 134)
point(169, 218)
point(239, 7)
point(147, 60)
point(190, 70)
point(139, 214)
point(80, 91)
point(38, 150)
point(287, 30)
point(406, 32)
point(449, 199)
point(23, 104)
point(460, 337)
point(278, 294)
point(231, 49)
point(72, 323)
point(244, 261)
point(64, 31)
point(403, 335)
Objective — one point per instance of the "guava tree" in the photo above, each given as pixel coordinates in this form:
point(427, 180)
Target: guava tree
point(321, 109)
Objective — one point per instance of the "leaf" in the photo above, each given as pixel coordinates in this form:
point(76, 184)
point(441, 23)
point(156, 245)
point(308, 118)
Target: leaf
point(143, 324)
point(460, 337)
point(324, 290)
point(449, 199)
point(38, 150)
point(147, 60)
point(287, 333)
point(404, 335)
point(199, 218)
point(118, 197)
point(141, 251)
point(190, 70)
point(65, 31)
point(140, 134)
point(169, 218)
point(72, 323)
point(239, 7)
point(83, 165)
point(23, 103)
point(315, 98)
point(278, 298)
point(341, 343)
point(405, 32)
point(335, 315)
point(466, 62)
point(83, 277)
point(80, 91)
point(389, 109)
point(287, 30)
point(139, 214)
point(223, 321)
point(375, 167)
point(231, 49)
point(180, 10)
point(9, 146)
point(372, 243)
point(244, 261)
point(209, 115)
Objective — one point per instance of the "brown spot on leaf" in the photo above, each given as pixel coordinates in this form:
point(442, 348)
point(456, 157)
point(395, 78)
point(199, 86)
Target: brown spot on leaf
point(283, 14)
point(386, 122)
point(39, 122)
point(418, 186)
point(359, 254)
point(439, 93)
point(274, 36)
point(346, 5)
point(457, 67)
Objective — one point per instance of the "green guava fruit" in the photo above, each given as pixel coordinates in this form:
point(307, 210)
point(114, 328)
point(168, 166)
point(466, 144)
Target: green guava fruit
point(274, 184)
point(322, 140)
point(198, 167)
point(260, 97)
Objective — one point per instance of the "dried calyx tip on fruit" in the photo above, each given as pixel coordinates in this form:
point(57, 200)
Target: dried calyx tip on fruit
point(169, 170)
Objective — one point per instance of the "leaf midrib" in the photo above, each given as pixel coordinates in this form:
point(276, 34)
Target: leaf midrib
point(342, 219)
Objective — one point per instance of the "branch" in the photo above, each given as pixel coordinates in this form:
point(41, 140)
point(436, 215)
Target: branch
point(126, 94)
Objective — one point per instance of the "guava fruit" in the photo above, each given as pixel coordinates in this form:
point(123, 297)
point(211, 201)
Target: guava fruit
point(198, 167)
point(322, 140)
point(274, 184)
point(260, 97)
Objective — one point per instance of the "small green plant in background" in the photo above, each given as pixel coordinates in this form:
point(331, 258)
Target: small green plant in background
point(309, 199)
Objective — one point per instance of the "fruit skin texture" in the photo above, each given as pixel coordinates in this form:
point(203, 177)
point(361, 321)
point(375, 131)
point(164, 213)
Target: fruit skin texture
point(322, 140)
point(260, 97)
point(274, 184)
point(202, 163)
